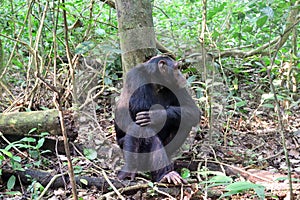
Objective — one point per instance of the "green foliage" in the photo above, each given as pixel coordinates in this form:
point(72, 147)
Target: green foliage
point(243, 186)
point(152, 191)
point(32, 145)
point(33, 148)
point(35, 189)
point(14, 160)
point(84, 47)
point(82, 39)
point(91, 154)
point(185, 173)
point(84, 181)
point(11, 182)
point(232, 188)
point(218, 180)
point(232, 25)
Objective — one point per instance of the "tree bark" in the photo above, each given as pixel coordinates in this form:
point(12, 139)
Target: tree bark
point(136, 31)
point(1, 58)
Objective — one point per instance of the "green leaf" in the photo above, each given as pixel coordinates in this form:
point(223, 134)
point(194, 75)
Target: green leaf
point(77, 169)
point(84, 47)
point(185, 173)
point(268, 105)
point(7, 153)
point(43, 134)
point(28, 139)
point(260, 191)
point(241, 104)
point(84, 181)
point(218, 180)
point(151, 184)
point(247, 29)
point(215, 10)
point(37, 163)
point(267, 96)
point(11, 182)
point(191, 79)
point(240, 186)
point(107, 81)
point(17, 158)
point(38, 186)
point(91, 154)
point(14, 193)
point(34, 153)
point(25, 146)
point(228, 194)
point(243, 186)
point(40, 143)
point(261, 21)
point(32, 130)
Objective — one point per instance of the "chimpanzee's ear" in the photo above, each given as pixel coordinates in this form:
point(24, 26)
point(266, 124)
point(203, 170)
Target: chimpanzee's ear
point(176, 65)
point(162, 66)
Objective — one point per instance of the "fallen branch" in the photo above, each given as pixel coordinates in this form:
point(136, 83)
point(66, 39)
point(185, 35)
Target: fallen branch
point(21, 123)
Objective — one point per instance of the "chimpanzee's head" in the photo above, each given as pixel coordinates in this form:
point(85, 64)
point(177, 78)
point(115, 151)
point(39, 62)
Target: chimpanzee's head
point(167, 71)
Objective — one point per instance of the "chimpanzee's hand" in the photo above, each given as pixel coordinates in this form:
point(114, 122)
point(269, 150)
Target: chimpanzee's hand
point(173, 177)
point(154, 117)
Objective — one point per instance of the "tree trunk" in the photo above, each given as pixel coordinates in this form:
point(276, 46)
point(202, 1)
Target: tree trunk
point(136, 31)
point(1, 58)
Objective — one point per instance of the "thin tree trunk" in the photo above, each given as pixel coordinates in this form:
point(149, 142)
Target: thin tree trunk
point(136, 31)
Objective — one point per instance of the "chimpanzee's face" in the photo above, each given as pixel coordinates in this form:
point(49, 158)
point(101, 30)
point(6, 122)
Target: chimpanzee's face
point(170, 73)
point(179, 78)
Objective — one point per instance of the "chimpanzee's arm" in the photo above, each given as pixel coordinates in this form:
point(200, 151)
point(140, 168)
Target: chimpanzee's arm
point(189, 117)
point(187, 113)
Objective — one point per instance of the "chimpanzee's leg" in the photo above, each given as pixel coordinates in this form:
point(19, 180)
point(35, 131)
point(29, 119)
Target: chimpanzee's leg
point(130, 146)
point(164, 169)
point(159, 160)
point(136, 147)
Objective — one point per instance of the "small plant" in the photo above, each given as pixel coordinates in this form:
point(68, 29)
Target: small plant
point(34, 151)
point(243, 186)
point(232, 188)
point(152, 191)
point(32, 145)
point(35, 189)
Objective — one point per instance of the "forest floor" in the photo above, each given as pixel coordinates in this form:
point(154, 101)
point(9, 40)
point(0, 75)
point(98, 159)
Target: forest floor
point(244, 146)
point(250, 149)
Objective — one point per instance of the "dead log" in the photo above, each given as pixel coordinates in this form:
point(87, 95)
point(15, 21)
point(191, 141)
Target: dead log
point(44, 178)
point(20, 123)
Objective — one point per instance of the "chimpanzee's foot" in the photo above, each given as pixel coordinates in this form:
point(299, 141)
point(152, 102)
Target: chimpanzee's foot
point(126, 175)
point(173, 177)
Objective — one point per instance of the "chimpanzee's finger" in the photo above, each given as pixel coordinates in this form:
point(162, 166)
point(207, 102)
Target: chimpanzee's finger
point(140, 117)
point(176, 180)
point(143, 118)
point(143, 122)
point(146, 113)
point(168, 179)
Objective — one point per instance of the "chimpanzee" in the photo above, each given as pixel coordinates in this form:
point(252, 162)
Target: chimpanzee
point(153, 117)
